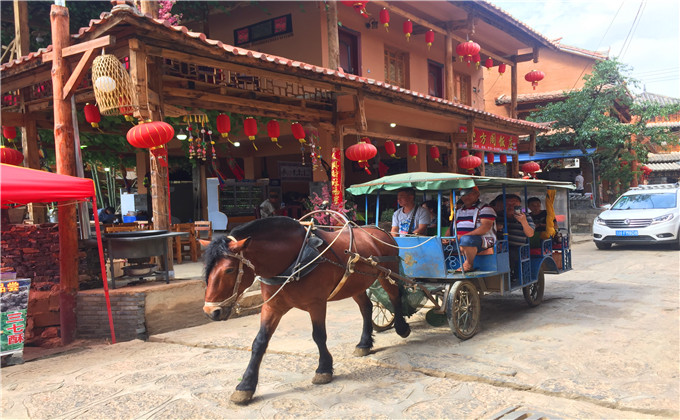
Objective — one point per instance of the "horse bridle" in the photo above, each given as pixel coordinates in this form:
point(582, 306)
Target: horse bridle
point(241, 262)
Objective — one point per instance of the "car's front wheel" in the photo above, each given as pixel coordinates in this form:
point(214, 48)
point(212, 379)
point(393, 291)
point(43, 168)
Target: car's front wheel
point(603, 245)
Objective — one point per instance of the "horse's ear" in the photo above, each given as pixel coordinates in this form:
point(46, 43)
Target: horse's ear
point(204, 243)
point(238, 246)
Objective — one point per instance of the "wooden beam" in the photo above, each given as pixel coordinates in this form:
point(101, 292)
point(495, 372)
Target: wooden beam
point(533, 55)
point(332, 35)
point(22, 36)
point(78, 73)
point(27, 80)
point(532, 144)
point(94, 44)
point(453, 156)
point(448, 66)
point(470, 133)
point(348, 131)
point(360, 103)
point(513, 91)
point(16, 119)
point(139, 75)
point(415, 19)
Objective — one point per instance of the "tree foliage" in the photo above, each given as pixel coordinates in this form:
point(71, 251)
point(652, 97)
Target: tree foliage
point(606, 116)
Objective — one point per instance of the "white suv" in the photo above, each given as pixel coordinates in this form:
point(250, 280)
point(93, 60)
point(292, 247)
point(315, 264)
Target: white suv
point(645, 214)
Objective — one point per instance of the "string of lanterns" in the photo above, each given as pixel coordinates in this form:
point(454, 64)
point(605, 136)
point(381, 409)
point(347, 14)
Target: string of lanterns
point(9, 155)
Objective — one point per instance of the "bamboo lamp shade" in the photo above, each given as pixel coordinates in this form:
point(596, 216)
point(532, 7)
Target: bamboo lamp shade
point(112, 85)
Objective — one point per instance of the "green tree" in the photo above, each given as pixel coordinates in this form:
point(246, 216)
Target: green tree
point(606, 116)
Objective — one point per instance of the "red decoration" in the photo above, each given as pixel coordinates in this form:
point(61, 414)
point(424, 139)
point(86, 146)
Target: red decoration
point(250, 129)
point(10, 133)
point(413, 150)
point(298, 132)
point(466, 50)
point(274, 131)
point(530, 167)
point(408, 29)
point(92, 115)
point(469, 163)
point(391, 149)
point(150, 135)
point(464, 153)
point(361, 153)
point(480, 155)
point(336, 176)
point(429, 38)
point(11, 156)
point(434, 153)
point(647, 170)
point(501, 68)
point(358, 6)
point(488, 63)
point(476, 58)
point(223, 124)
point(385, 18)
point(504, 159)
point(534, 76)
point(490, 158)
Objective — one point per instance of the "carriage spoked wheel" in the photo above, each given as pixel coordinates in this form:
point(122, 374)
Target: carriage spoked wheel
point(383, 318)
point(533, 293)
point(463, 309)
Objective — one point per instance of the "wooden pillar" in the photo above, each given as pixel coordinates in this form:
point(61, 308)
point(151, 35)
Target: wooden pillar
point(149, 8)
point(515, 166)
point(203, 193)
point(326, 144)
point(453, 156)
point(360, 111)
point(249, 167)
point(513, 91)
point(142, 164)
point(65, 157)
point(332, 31)
point(448, 66)
point(532, 144)
point(22, 36)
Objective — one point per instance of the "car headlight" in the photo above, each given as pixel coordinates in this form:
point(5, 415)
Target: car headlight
point(662, 219)
point(600, 221)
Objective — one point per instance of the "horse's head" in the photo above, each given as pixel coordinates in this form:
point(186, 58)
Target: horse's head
point(227, 275)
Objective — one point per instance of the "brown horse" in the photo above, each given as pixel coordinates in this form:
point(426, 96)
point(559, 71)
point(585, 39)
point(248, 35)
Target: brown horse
point(267, 247)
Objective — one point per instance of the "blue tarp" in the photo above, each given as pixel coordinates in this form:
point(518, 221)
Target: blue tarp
point(556, 154)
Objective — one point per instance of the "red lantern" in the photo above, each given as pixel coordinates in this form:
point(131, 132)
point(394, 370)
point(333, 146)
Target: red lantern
point(530, 167)
point(501, 68)
point(488, 63)
point(274, 131)
point(480, 155)
point(391, 149)
point(92, 115)
point(476, 58)
point(10, 133)
point(429, 38)
point(534, 76)
point(223, 124)
point(150, 135)
point(467, 50)
point(646, 169)
point(469, 163)
point(10, 156)
point(361, 153)
point(385, 18)
point(298, 132)
point(408, 29)
point(490, 158)
point(358, 6)
point(504, 159)
point(250, 129)
point(413, 150)
point(434, 153)
point(464, 153)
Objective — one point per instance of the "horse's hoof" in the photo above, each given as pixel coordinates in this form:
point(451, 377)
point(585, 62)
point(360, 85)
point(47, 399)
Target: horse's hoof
point(361, 351)
point(322, 378)
point(242, 397)
point(405, 333)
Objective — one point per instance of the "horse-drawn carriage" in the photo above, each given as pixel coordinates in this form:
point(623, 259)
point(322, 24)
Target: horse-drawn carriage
point(431, 265)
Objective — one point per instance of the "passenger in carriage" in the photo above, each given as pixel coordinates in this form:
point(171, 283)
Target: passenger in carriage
point(540, 220)
point(520, 227)
point(409, 218)
point(475, 226)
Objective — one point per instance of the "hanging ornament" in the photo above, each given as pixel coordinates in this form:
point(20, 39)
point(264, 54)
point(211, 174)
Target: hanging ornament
point(504, 159)
point(534, 76)
point(413, 150)
point(464, 153)
point(476, 58)
point(212, 144)
point(92, 115)
point(480, 155)
point(531, 168)
point(250, 129)
point(11, 156)
point(434, 153)
point(385, 18)
point(466, 50)
point(501, 68)
point(191, 141)
point(223, 124)
point(9, 132)
point(113, 88)
point(488, 63)
point(274, 131)
point(490, 158)
point(153, 136)
point(391, 149)
point(429, 38)
point(361, 153)
point(408, 29)
point(298, 132)
point(314, 148)
point(469, 163)
point(358, 6)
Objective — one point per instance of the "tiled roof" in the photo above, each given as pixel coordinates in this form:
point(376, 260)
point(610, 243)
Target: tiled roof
point(582, 52)
point(282, 61)
point(534, 97)
point(663, 157)
point(657, 99)
point(666, 124)
point(664, 166)
point(516, 21)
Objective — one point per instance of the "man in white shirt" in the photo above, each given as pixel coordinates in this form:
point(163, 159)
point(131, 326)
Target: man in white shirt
point(579, 183)
point(270, 206)
point(409, 218)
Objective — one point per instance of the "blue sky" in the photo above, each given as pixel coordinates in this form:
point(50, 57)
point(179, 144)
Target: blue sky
point(653, 46)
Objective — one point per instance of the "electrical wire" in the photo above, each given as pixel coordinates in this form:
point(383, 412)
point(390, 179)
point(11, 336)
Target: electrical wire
point(633, 28)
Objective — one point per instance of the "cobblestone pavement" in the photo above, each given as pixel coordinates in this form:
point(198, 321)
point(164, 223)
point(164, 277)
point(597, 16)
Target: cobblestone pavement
point(602, 345)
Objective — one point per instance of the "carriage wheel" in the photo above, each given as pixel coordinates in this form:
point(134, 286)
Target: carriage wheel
point(463, 309)
point(383, 318)
point(533, 293)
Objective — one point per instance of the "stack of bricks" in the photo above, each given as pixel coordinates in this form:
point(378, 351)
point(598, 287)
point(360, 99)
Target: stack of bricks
point(127, 309)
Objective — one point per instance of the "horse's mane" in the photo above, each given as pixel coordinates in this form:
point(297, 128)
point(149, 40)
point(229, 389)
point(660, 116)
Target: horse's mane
point(266, 228)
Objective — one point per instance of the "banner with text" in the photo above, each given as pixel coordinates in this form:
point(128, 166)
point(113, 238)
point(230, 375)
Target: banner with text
point(336, 176)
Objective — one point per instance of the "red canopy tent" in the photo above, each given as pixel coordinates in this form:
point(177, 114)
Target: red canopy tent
point(20, 185)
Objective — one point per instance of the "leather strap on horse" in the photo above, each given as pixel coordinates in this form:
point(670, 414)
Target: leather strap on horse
point(349, 270)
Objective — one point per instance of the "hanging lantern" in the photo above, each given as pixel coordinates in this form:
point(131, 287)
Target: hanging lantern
point(385, 18)
point(434, 154)
point(501, 68)
point(488, 63)
point(10, 133)
point(250, 129)
point(647, 170)
point(408, 29)
point(92, 115)
point(476, 58)
point(150, 135)
point(391, 149)
point(469, 163)
point(464, 153)
point(490, 158)
point(413, 150)
point(358, 6)
point(530, 167)
point(113, 87)
point(429, 38)
point(274, 131)
point(534, 76)
point(480, 155)
point(504, 159)
point(361, 153)
point(11, 156)
point(466, 50)
point(223, 124)
point(298, 132)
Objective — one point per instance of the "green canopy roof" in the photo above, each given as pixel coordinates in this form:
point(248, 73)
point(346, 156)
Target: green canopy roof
point(431, 181)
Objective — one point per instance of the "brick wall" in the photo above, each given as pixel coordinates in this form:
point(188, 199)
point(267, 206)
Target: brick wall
point(128, 315)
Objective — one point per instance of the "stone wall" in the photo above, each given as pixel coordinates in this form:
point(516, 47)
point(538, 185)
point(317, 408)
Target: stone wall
point(127, 309)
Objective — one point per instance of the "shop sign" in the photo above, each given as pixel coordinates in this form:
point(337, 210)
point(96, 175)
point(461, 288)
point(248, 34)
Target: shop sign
point(14, 302)
point(294, 171)
point(492, 141)
point(336, 176)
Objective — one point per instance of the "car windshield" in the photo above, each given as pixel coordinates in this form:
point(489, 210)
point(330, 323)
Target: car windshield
point(645, 201)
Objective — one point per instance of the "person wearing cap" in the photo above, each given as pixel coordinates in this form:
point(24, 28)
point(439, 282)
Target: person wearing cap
point(409, 218)
point(475, 226)
point(520, 227)
point(270, 206)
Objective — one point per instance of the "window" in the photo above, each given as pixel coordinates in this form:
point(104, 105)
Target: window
point(462, 86)
point(434, 79)
point(396, 68)
point(266, 29)
point(349, 51)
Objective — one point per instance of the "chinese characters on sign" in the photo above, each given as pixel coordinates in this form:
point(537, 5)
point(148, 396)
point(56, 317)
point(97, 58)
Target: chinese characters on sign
point(336, 176)
point(14, 297)
point(294, 171)
point(492, 141)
